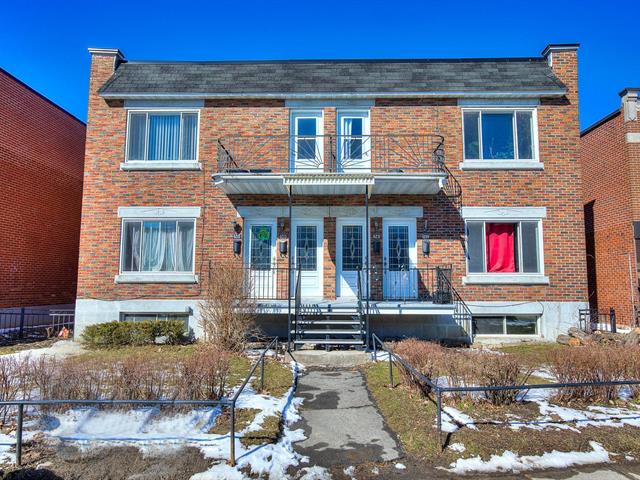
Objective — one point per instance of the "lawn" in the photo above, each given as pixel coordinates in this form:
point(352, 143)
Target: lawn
point(491, 430)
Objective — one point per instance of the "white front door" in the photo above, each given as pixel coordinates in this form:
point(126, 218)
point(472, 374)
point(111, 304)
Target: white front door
point(306, 145)
point(260, 255)
point(307, 238)
point(400, 277)
point(351, 256)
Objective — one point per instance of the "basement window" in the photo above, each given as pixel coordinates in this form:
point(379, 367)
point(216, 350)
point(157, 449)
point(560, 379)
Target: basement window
point(505, 324)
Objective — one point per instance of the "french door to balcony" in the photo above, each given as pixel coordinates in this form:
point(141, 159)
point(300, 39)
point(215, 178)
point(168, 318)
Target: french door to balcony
point(307, 238)
point(400, 277)
point(260, 254)
point(354, 142)
point(351, 257)
point(306, 143)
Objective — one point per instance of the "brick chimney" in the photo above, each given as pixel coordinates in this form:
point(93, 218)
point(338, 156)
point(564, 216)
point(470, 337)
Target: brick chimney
point(630, 106)
point(104, 61)
point(563, 60)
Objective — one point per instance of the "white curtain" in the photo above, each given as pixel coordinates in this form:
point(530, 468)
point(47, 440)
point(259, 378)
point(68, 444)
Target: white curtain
point(136, 234)
point(184, 246)
point(159, 246)
point(164, 137)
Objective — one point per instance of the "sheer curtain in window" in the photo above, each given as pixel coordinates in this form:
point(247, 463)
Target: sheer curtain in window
point(164, 137)
point(184, 246)
point(158, 251)
point(189, 136)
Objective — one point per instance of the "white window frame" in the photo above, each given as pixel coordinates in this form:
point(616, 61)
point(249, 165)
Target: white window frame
point(318, 115)
point(505, 164)
point(504, 325)
point(343, 114)
point(188, 164)
point(506, 215)
point(156, 214)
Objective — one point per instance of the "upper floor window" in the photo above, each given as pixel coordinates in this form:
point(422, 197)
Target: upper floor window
point(307, 146)
point(500, 134)
point(162, 136)
point(157, 245)
point(504, 247)
point(354, 142)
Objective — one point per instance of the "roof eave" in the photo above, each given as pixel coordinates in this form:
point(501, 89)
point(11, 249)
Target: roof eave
point(556, 92)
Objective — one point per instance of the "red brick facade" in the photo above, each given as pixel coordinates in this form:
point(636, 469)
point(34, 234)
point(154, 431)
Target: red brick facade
point(41, 162)
point(611, 195)
point(557, 187)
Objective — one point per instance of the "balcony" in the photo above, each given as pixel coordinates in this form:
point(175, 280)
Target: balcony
point(331, 164)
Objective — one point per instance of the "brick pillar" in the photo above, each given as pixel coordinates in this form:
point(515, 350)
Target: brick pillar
point(329, 257)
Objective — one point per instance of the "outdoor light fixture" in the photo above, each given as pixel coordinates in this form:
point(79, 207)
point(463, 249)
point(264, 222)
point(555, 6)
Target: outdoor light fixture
point(426, 244)
point(282, 240)
point(237, 239)
point(376, 238)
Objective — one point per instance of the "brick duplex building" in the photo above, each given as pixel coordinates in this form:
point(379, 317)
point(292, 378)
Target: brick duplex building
point(466, 172)
point(41, 161)
point(610, 158)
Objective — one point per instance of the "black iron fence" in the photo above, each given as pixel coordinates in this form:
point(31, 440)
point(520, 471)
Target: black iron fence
point(594, 320)
point(439, 390)
point(331, 153)
point(226, 402)
point(25, 324)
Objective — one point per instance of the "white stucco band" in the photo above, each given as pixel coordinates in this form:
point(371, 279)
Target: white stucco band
point(504, 213)
point(159, 212)
point(329, 211)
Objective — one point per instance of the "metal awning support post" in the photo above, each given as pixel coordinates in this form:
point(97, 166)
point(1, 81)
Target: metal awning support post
point(289, 274)
point(367, 277)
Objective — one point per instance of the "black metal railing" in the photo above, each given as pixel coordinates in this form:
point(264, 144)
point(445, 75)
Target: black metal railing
point(461, 312)
point(27, 324)
point(594, 320)
point(331, 153)
point(439, 391)
point(405, 284)
point(225, 402)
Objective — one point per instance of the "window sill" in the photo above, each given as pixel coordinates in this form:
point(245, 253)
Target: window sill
point(501, 165)
point(156, 278)
point(160, 165)
point(505, 278)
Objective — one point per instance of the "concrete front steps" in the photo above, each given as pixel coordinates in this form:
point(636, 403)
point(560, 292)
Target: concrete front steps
point(332, 359)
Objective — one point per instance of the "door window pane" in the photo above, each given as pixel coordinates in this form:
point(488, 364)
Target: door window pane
point(530, 256)
point(475, 247)
point(306, 146)
point(521, 325)
point(306, 247)
point(352, 138)
point(525, 135)
point(471, 138)
point(164, 137)
point(351, 247)
point(398, 247)
point(489, 325)
point(260, 247)
point(131, 247)
point(137, 136)
point(497, 136)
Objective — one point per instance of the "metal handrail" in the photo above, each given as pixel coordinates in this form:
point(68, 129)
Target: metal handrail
point(461, 311)
point(377, 153)
point(223, 403)
point(439, 390)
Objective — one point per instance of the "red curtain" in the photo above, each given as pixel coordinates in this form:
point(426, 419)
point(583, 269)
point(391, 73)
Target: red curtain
point(500, 247)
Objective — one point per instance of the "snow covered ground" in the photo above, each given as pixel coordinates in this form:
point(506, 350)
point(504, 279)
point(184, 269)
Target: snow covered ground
point(60, 349)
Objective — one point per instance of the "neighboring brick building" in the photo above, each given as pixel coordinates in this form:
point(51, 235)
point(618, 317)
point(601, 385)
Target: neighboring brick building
point(194, 164)
point(610, 158)
point(41, 162)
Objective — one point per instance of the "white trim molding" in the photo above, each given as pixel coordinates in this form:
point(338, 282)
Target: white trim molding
point(501, 165)
point(156, 277)
point(159, 212)
point(505, 279)
point(493, 102)
point(338, 103)
point(504, 213)
point(158, 165)
point(329, 211)
point(633, 137)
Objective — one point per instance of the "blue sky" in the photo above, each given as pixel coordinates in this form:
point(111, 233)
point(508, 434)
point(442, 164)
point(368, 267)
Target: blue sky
point(45, 43)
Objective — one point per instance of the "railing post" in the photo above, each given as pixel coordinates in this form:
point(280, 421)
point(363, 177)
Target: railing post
point(232, 435)
point(19, 435)
point(276, 354)
point(21, 329)
point(262, 372)
point(375, 349)
point(390, 370)
point(439, 415)
point(612, 317)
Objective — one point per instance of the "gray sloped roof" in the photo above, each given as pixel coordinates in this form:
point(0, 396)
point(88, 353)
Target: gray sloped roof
point(337, 77)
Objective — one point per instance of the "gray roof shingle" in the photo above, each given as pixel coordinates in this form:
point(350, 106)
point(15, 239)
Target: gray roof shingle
point(333, 77)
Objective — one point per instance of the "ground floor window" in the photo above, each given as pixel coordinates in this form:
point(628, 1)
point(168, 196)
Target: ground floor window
point(505, 324)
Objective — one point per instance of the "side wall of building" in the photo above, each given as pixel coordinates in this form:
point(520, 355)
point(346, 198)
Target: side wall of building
point(41, 163)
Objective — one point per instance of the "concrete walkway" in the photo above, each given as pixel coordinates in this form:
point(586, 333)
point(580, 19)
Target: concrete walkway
point(341, 422)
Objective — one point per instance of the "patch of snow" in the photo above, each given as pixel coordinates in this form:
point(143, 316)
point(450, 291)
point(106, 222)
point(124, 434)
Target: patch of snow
point(375, 471)
point(457, 447)
point(60, 349)
point(380, 356)
point(314, 473)
point(349, 471)
point(7, 442)
point(545, 374)
point(400, 466)
point(511, 462)
point(218, 472)
point(629, 458)
point(453, 420)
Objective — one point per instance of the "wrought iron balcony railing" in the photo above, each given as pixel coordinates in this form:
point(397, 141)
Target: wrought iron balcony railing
point(331, 153)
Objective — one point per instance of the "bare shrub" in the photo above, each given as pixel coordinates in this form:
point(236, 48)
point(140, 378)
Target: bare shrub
point(632, 370)
point(593, 363)
point(204, 375)
point(425, 357)
point(13, 383)
point(227, 315)
point(497, 370)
